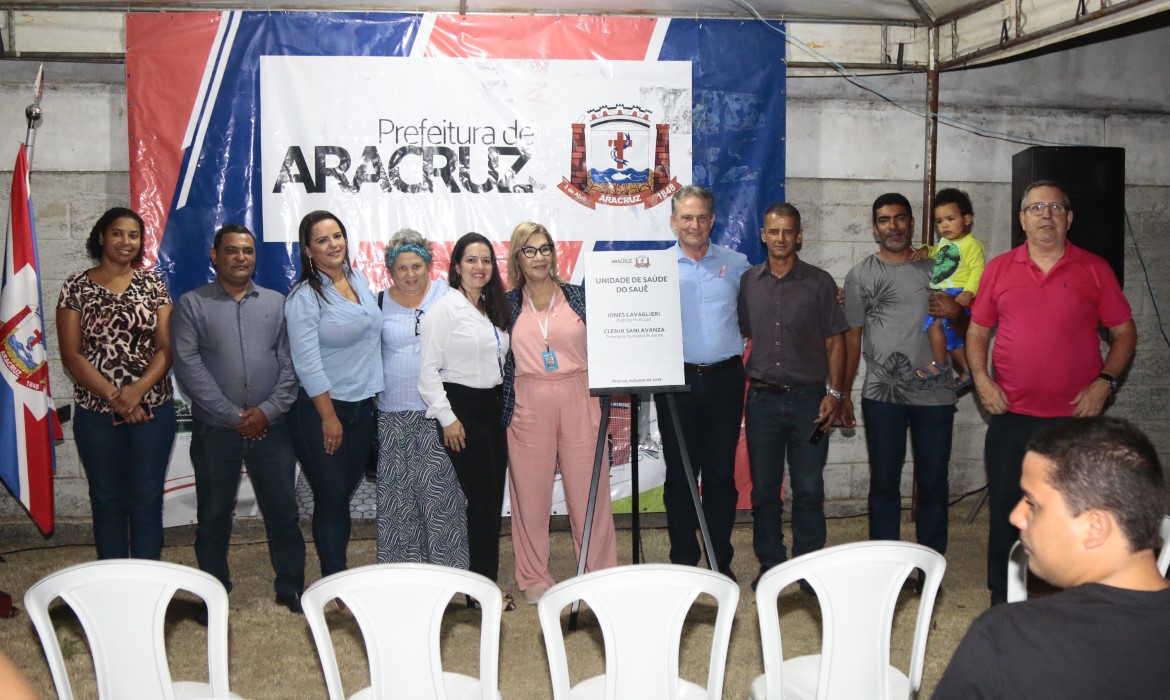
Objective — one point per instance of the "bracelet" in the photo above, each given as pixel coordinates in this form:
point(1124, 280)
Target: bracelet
point(1110, 380)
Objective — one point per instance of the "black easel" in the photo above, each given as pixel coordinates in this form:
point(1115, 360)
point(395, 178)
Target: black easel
point(598, 455)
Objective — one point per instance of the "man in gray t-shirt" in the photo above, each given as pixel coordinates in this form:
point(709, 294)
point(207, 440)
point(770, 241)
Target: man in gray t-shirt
point(886, 297)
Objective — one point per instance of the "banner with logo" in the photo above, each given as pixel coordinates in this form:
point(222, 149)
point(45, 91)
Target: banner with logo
point(445, 123)
point(591, 149)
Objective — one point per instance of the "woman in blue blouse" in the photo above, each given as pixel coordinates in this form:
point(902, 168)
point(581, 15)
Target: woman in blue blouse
point(334, 329)
point(422, 513)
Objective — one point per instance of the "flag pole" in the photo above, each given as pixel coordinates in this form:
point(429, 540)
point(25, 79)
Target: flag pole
point(34, 115)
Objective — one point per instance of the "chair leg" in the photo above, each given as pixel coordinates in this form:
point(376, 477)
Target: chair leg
point(7, 609)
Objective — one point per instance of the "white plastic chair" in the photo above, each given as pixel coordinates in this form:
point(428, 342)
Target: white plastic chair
point(121, 604)
point(1017, 577)
point(641, 610)
point(1017, 583)
point(1164, 554)
point(399, 608)
point(857, 586)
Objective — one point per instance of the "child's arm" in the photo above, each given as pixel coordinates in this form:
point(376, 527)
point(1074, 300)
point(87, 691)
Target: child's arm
point(921, 253)
point(970, 270)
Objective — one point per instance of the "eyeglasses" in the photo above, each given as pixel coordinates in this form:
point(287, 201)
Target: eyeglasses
point(530, 252)
point(1037, 208)
point(418, 314)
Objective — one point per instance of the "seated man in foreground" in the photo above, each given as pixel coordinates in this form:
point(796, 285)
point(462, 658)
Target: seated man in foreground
point(1094, 495)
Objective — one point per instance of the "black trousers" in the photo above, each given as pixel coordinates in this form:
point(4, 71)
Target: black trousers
point(1004, 446)
point(482, 468)
point(710, 415)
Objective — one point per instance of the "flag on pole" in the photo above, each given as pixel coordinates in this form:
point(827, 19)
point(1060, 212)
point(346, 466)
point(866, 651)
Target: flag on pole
point(28, 422)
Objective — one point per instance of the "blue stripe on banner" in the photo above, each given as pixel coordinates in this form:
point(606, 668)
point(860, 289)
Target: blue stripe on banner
point(231, 148)
point(9, 453)
point(738, 123)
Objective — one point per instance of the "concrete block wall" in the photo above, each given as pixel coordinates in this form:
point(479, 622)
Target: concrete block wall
point(844, 147)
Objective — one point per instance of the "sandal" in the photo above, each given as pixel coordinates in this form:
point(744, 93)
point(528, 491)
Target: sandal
point(509, 603)
point(342, 609)
point(964, 383)
point(934, 372)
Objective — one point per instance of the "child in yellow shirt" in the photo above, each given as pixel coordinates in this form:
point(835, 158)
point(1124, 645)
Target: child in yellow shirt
point(958, 265)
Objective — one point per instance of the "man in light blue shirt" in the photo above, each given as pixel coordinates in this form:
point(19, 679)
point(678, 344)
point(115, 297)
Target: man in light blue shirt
point(710, 413)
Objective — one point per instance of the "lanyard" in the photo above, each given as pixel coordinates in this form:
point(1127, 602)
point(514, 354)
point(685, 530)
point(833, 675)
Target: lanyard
point(499, 349)
point(547, 314)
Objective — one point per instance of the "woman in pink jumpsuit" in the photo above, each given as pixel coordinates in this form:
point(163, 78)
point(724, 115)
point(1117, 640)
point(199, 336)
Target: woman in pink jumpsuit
point(552, 421)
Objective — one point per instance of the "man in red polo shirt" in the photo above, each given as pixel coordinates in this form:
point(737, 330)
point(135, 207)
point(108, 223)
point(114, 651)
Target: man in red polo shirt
point(1045, 300)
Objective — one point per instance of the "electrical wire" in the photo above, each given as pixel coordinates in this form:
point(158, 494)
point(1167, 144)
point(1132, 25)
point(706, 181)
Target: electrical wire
point(956, 123)
point(1146, 274)
point(868, 86)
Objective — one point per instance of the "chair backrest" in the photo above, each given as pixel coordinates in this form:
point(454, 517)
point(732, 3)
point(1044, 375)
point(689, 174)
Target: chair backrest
point(857, 586)
point(1017, 578)
point(121, 604)
point(641, 610)
point(1164, 554)
point(1017, 589)
point(399, 608)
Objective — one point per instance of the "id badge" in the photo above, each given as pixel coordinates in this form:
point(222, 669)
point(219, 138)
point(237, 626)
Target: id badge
point(550, 359)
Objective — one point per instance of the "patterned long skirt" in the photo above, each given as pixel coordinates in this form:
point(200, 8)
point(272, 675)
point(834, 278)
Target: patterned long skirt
point(422, 513)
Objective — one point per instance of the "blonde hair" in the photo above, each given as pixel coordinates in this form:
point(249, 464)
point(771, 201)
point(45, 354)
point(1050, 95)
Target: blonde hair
point(520, 236)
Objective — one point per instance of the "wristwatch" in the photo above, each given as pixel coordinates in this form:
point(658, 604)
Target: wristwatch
point(834, 393)
point(1110, 380)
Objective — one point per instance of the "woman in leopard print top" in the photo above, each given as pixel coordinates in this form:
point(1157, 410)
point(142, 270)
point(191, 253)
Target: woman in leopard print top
point(113, 326)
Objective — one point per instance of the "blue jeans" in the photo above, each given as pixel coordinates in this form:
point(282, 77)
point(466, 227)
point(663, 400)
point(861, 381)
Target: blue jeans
point(778, 426)
point(218, 453)
point(930, 438)
point(126, 466)
point(333, 477)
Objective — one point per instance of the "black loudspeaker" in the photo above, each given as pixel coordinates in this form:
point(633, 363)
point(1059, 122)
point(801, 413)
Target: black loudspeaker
point(1094, 179)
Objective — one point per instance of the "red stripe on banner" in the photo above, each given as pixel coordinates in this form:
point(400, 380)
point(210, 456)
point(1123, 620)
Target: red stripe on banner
point(370, 259)
point(39, 455)
point(541, 36)
point(166, 54)
point(23, 252)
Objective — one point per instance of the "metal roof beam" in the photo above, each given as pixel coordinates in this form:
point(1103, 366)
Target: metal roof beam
point(1004, 28)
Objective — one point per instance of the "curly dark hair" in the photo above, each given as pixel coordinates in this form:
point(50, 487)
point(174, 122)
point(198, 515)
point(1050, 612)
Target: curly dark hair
point(959, 198)
point(93, 244)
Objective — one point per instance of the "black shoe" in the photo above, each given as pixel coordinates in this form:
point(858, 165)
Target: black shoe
point(292, 601)
point(919, 582)
point(200, 615)
point(726, 571)
point(807, 589)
